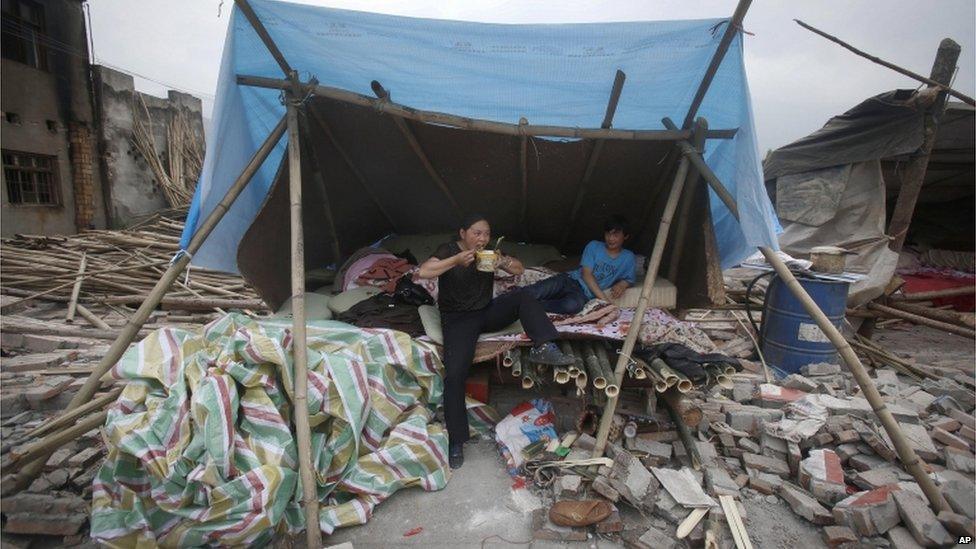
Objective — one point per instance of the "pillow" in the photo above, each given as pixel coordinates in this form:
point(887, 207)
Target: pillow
point(341, 303)
point(430, 317)
point(316, 308)
point(664, 295)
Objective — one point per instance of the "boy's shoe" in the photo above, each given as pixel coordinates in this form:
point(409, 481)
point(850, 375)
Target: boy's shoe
point(550, 355)
point(455, 455)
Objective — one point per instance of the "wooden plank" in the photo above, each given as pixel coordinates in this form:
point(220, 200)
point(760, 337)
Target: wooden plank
point(739, 534)
point(690, 522)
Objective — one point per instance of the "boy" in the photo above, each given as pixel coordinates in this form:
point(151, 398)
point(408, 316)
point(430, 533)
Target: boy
point(606, 270)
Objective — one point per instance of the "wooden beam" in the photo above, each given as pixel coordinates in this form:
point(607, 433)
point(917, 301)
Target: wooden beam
point(384, 95)
point(914, 174)
point(594, 156)
point(732, 27)
point(310, 498)
point(269, 43)
point(324, 126)
point(477, 124)
point(932, 81)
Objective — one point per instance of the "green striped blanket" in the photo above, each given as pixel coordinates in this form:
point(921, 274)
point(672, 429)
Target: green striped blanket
point(201, 449)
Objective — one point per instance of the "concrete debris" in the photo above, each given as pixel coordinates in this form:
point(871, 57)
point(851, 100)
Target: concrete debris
point(870, 513)
point(805, 505)
point(921, 521)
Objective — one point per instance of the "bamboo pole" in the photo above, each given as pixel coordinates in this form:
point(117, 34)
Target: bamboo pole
point(310, 499)
point(76, 289)
point(921, 320)
point(935, 294)
point(632, 332)
point(269, 43)
point(524, 172)
point(464, 123)
point(60, 421)
point(42, 448)
point(320, 120)
point(91, 318)
point(324, 197)
point(384, 95)
point(189, 303)
point(905, 452)
point(733, 26)
point(943, 69)
point(952, 317)
point(904, 449)
point(685, 217)
point(932, 83)
point(179, 263)
point(672, 402)
point(594, 156)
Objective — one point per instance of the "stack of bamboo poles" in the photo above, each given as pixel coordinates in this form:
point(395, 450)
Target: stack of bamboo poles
point(593, 370)
point(177, 170)
point(114, 268)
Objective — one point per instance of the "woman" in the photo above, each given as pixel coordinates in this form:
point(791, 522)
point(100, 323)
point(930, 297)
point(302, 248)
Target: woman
point(468, 309)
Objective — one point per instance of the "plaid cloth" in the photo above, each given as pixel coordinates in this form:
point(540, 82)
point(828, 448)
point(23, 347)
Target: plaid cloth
point(200, 448)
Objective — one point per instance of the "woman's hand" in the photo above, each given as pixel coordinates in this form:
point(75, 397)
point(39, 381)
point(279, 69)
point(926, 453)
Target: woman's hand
point(464, 258)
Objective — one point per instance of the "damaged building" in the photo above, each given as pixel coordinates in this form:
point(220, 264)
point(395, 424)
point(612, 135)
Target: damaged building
point(76, 136)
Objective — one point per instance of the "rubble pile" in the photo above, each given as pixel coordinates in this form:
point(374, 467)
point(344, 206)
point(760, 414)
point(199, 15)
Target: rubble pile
point(809, 442)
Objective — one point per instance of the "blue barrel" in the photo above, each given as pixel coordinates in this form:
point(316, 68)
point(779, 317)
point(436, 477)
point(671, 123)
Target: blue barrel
point(790, 338)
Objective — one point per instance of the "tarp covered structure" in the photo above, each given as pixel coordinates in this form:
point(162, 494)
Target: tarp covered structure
point(837, 186)
point(549, 74)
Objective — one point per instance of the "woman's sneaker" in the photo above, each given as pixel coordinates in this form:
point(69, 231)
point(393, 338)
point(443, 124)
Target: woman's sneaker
point(455, 455)
point(550, 355)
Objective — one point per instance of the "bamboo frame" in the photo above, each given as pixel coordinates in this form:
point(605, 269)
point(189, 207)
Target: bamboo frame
point(310, 500)
point(269, 43)
point(465, 123)
point(684, 218)
point(594, 156)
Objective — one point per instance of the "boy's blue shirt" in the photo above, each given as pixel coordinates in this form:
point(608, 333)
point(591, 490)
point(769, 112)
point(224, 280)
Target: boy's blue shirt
point(607, 270)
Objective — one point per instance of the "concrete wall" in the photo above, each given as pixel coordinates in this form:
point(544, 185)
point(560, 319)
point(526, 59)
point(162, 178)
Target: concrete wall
point(61, 96)
point(130, 187)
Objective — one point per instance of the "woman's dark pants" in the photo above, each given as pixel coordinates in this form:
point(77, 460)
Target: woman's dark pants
point(461, 331)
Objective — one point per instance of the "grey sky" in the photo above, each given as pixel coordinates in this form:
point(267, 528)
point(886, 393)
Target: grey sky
point(798, 80)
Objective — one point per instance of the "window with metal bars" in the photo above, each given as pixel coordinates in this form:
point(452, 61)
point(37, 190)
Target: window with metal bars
point(23, 33)
point(31, 179)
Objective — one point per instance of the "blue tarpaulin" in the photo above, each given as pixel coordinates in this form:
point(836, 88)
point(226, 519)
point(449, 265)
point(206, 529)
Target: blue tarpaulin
point(549, 74)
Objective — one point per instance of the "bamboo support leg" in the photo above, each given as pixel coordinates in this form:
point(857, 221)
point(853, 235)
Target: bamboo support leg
point(310, 497)
point(136, 321)
point(632, 332)
point(76, 289)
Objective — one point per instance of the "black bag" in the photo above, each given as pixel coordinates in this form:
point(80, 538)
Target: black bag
point(411, 293)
